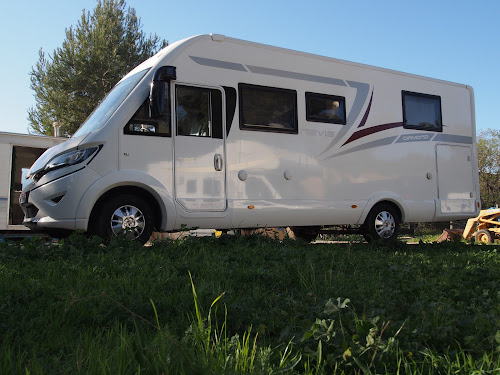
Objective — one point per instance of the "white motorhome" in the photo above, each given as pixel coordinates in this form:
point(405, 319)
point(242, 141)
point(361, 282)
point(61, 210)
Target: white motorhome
point(215, 132)
point(17, 153)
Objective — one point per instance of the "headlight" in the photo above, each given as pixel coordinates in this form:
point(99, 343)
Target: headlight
point(70, 158)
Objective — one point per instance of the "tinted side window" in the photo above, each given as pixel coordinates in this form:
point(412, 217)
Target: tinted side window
point(142, 123)
point(422, 111)
point(325, 108)
point(268, 109)
point(199, 112)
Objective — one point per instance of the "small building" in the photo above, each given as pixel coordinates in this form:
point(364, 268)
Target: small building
point(17, 153)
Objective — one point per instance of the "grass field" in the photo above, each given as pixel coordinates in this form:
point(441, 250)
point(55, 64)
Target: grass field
point(239, 305)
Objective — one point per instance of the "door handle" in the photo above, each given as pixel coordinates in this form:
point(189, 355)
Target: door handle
point(218, 162)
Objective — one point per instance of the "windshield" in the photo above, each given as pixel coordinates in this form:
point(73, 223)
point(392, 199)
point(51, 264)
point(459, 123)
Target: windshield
point(110, 103)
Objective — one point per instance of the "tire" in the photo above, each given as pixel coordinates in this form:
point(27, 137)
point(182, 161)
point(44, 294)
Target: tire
point(127, 215)
point(483, 236)
point(381, 224)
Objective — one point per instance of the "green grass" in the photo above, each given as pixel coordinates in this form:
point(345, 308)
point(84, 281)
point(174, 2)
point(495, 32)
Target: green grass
point(425, 234)
point(248, 305)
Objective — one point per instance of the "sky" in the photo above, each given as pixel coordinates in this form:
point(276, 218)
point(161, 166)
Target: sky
point(457, 41)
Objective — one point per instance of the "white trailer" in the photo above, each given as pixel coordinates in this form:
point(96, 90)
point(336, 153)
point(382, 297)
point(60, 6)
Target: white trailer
point(17, 152)
point(215, 132)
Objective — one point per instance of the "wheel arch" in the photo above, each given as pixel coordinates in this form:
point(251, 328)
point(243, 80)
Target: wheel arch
point(133, 182)
point(390, 199)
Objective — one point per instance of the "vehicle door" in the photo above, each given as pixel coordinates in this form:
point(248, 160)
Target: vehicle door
point(199, 150)
point(455, 179)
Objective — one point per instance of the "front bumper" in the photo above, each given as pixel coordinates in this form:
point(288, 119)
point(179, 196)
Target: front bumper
point(53, 204)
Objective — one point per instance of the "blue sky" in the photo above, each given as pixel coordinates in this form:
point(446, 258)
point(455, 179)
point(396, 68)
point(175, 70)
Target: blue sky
point(457, 41)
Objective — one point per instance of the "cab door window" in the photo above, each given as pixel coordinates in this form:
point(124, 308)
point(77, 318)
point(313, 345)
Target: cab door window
point(199, 112)
point(143, 123)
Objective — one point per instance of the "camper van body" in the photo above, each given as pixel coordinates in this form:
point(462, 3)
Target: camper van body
point(244, 139)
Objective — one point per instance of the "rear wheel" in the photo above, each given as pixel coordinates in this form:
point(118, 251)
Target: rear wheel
point(483, 236)
point(382, 223)
point(125, 215)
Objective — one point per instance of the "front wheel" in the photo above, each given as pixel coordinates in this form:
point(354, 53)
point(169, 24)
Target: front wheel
point(382, 223)
point(126, 215)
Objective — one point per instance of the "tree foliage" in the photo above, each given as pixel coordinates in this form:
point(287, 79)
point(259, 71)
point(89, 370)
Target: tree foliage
point(71, 82)
point(488, 155)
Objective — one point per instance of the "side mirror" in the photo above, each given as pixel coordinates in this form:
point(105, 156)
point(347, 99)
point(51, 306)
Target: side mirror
point(157, 99)
point(158, 88)
point(165, 73)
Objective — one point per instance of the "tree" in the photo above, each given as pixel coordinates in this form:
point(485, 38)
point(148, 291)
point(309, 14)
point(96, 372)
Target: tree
point(103, 47)
point(488, 156)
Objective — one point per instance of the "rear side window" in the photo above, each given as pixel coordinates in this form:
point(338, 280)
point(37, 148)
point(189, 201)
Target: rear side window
point(268, 109)
point(325, 108)
point(422, 111)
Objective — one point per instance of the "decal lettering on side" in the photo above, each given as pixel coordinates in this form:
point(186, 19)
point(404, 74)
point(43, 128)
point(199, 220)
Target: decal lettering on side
point(318, 133)
point(414, 138)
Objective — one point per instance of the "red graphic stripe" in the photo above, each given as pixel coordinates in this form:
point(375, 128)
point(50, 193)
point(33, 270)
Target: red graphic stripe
point(365, 117)
point(374, 129)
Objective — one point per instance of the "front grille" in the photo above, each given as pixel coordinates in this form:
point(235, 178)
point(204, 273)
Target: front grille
point(31, 211)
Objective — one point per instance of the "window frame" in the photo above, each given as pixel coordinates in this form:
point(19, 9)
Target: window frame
point(216, 117)
point(341, 99)
point(265, 128)
point(405, 94)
